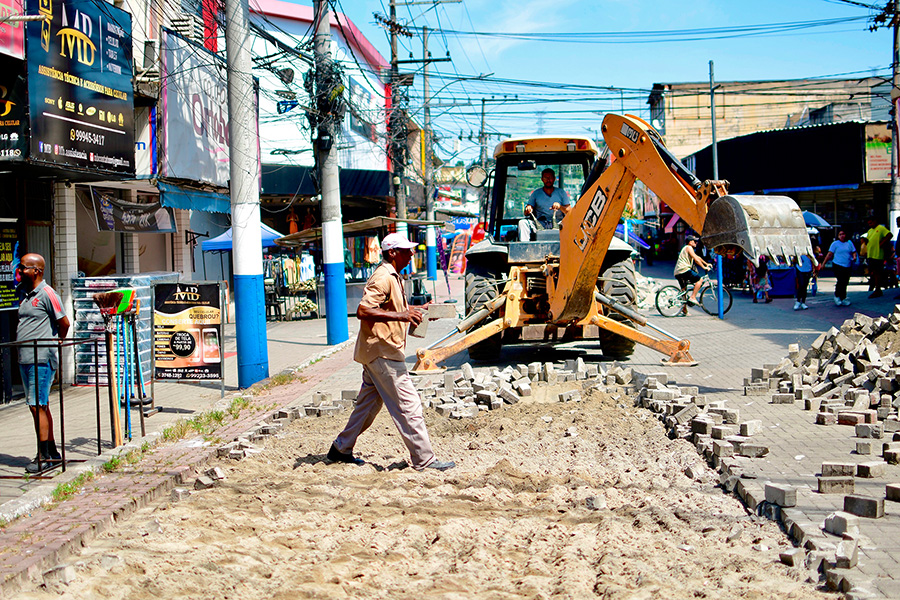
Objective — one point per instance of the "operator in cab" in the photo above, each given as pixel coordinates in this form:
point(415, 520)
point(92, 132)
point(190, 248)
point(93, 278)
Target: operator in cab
point(541, 204)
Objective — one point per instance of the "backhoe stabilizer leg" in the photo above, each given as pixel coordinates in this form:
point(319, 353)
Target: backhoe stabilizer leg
point(428, 359)
point(677, 351)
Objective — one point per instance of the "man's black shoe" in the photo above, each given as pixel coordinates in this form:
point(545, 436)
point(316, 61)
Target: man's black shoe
point(34, 466)
point(875, 294)
point(441, 465)
point(335, 455)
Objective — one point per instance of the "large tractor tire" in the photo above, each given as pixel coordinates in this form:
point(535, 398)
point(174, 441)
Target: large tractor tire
point(619, 283)
point(482, 285)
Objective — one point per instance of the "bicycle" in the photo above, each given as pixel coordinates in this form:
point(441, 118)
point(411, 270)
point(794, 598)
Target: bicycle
point(671, 299)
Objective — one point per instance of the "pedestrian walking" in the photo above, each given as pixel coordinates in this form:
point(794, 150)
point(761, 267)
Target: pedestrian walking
point(380, 347)
point(41, 317)
point(843, 253)
point(878, 242)
point(803, 271)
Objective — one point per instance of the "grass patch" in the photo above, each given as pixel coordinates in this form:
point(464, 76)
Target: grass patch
point(237, 405)
point(112, 464)
point(205, 424)
point(64, 491)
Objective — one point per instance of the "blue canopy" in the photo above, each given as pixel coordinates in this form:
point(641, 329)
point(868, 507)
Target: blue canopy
point(224, 242)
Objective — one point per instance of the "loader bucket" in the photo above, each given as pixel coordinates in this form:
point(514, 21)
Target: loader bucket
point(770, 225)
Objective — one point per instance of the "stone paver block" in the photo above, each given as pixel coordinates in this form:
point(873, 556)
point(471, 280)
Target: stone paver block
point(892, 492)
point(864, 506)
point(781, 494)
point(783, 398)
point(753, 450)
point(824, 418)
point(720, 432)
point(836, 485)
point(838, 469)
point(871, 469)
point(721, 448)
point(795, 557)
point(751, 427)
point(864, 448)
point(839, 523)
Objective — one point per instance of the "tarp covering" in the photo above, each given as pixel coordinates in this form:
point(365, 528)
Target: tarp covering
point(188, 199)
point(310, 235)
point(224, 241)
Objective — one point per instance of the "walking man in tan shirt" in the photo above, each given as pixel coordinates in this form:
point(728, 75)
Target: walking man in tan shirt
point(381, 348)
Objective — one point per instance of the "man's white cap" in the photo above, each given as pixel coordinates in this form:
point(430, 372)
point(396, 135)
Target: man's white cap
point(392, 241)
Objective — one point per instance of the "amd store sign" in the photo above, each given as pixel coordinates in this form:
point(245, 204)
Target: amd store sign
point(79, 85)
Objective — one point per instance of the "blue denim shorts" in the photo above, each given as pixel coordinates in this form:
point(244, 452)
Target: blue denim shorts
point(45, 376)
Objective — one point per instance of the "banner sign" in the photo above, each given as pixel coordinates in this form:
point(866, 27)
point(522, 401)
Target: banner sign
point(113, 214)
point(13, 118)
point(187, 331)
point(9, 259)
point(878, 152)
point(12, 33)
point(81, 97)
point(195, 107)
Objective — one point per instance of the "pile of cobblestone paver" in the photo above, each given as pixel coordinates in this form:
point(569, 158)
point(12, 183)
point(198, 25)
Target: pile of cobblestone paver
point(843, 378)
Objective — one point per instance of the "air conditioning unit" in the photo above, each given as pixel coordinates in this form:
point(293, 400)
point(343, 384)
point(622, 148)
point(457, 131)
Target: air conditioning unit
point(188, 25)
point(151, 55)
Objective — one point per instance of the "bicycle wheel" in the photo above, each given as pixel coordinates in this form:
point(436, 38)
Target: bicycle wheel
point(709, 299)
point(669, 301)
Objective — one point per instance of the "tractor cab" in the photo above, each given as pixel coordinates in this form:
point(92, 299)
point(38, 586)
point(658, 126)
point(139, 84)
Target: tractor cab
point(519, 165)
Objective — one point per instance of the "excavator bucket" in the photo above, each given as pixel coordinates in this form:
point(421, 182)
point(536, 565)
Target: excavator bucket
point(758, 225)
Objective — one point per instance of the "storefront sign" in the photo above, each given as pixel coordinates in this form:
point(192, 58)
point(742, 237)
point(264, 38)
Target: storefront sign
point(187, 331)
point(12, 33)
point(878, 152)
point(79, 85)
point(113, 214)
point(9, 258)
point(13, 120)
point(195, 107)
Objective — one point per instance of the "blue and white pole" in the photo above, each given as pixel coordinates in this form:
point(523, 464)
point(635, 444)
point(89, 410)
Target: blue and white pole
point(249, 298)
point(431, 252)
point(336, 309)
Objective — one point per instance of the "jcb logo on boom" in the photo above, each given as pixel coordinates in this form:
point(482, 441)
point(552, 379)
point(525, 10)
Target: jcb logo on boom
point(75, 40)
point(591, 217)
point(188, 294)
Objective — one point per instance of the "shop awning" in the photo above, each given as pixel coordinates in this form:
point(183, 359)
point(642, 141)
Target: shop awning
point(311, 235)
point(224, 242)
point(191, 199)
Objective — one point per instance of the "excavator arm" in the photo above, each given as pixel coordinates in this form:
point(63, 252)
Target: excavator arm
point(755, 224)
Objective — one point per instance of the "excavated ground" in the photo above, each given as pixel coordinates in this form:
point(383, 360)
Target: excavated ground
point(549, 500)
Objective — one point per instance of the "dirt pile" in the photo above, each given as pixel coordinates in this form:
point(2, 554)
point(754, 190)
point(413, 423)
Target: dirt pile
point(550, 500)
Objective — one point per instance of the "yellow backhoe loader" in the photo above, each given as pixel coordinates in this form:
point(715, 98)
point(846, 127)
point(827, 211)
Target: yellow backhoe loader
point(577, 281)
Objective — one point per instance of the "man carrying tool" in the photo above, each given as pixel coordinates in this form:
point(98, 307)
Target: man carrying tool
point(542, 202)
point(380, 346)
point(41, 317)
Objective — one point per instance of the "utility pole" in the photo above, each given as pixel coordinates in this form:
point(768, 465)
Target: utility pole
point(397, 129)
point(336, 327)
point(895, 124)
point(715, 161)
point(427, 176)
point(249, 299)
point(482, 140)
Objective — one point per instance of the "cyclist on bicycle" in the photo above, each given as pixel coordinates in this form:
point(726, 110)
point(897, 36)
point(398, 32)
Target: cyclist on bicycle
point(685, 272)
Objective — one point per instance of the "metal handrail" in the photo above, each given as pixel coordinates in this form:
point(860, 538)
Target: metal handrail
point(34, 345)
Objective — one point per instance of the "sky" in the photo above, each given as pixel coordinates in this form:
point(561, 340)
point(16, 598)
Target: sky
point(559, 79)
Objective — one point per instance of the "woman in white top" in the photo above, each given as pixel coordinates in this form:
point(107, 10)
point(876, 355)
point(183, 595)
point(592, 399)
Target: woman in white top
point(843, 252)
